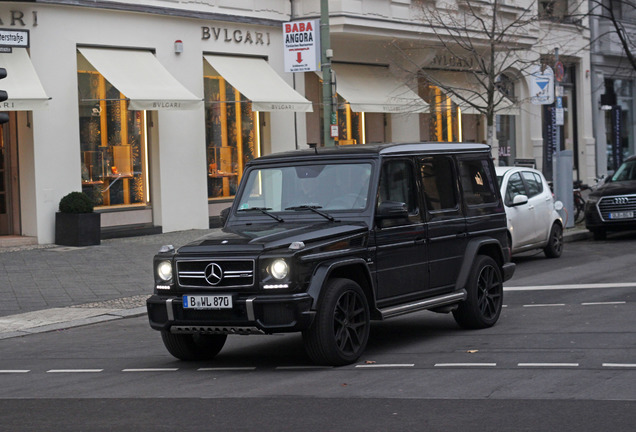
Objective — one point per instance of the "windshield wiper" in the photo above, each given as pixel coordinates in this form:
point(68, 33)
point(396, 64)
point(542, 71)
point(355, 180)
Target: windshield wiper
point(264, 211)
point(313, 208)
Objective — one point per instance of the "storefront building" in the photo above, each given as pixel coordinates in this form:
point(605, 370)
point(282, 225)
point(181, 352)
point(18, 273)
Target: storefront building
point(152, 111)
point(153, 108)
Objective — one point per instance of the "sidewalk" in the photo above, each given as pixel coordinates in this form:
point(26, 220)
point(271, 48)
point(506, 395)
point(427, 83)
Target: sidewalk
point(49, 287)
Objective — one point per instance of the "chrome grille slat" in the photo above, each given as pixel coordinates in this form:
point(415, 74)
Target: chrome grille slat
point(236, 273)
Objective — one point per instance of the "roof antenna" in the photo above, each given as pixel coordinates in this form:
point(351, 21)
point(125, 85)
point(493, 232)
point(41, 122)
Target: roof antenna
point(313, 146)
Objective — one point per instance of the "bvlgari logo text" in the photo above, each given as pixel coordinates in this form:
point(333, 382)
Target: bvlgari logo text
point(235, 36)
point(450, 61)
point(16, 18)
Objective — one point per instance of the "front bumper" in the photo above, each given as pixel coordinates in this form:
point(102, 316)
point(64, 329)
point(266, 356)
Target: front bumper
point(249, 314)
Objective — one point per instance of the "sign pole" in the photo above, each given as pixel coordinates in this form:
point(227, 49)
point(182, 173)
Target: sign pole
point(326, 53)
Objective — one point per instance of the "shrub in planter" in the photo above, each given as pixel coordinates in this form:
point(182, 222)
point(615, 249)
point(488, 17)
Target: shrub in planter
point(76, 224)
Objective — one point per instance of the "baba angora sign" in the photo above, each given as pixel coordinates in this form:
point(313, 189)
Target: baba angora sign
point(302, 46)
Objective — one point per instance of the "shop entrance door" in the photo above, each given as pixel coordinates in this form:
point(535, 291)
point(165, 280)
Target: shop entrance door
point(9, 206)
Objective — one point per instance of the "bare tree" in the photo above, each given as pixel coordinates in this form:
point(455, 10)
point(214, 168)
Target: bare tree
point(486, 39)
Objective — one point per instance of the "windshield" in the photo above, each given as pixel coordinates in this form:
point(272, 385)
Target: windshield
point(626, 172)
point(328, 186)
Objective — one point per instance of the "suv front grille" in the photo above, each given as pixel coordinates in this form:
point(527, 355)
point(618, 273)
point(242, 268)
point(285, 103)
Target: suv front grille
point(219, 273)
point(615, 204)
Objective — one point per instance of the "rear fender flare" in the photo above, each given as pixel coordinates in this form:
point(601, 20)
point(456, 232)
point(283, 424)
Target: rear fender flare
point(474, 248)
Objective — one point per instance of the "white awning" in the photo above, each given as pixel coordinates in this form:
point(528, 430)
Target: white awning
point(259, 83)
point(142, 79)
point(373, 89)
point(22, 83)
point(466, 91)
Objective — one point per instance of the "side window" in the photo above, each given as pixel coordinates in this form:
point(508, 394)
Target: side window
point(534, 187)
point(515, 187)
point(438, 181)
point(478, 182)
point(397, 183)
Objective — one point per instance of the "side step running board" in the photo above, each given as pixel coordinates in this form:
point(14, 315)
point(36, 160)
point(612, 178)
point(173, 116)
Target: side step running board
point(430, 303)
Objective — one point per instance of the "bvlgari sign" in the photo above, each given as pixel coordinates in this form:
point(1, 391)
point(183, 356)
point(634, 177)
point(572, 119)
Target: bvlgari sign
point(302, 46)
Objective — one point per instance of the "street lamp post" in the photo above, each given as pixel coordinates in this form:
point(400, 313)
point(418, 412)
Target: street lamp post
point(329, 115)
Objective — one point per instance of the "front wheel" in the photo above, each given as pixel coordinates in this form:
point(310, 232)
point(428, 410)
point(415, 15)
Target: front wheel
point(482, 306)
point(340, 331)
point(554, 248)
point(193, 346)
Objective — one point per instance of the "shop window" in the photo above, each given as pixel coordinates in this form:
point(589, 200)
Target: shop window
point(445, 116)
point(350, 124)
point(232, 133)
point(113, 143)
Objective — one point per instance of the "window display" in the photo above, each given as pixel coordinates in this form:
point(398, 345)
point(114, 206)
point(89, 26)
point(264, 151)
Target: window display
point(113, 143)
point(232, 136)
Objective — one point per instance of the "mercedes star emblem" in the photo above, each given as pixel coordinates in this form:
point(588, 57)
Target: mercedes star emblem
point(213, 274)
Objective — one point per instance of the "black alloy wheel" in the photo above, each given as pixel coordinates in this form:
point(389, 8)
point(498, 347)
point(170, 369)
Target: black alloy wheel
point(340, 331)
point(484, 300)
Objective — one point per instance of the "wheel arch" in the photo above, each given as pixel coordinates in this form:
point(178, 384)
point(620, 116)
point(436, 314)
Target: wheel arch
point(479, 246)
point(355, 269)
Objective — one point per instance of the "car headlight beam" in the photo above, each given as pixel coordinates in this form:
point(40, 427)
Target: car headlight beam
point(164, 270)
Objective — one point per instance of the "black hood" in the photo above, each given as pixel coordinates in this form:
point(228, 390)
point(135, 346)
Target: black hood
point(255, 238)
point(616, 188)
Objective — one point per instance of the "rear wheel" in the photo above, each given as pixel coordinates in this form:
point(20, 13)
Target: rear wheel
point(193, 346)
point(554, 248)
point(482, 306)
point(340, 331)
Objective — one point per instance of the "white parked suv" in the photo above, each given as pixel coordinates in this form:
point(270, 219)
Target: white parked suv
point(533, 222)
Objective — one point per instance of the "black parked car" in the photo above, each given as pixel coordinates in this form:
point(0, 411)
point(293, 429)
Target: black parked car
point(323, 241)
point(612, 206)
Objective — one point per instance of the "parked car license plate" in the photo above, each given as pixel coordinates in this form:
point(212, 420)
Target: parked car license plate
point(217, 301)
point(622, 215)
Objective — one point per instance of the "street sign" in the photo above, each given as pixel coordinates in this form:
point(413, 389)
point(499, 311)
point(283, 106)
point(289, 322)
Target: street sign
point(559, 71)
point(541, 85)
point(302, 46)
point(14, 38)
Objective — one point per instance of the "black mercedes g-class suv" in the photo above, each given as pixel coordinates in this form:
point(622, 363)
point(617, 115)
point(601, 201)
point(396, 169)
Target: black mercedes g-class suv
point(323, 241)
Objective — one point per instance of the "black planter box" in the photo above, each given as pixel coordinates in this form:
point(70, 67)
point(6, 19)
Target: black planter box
point(77, 229)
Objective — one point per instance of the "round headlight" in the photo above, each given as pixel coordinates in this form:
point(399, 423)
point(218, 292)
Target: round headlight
point(279, 269)
point(164, 270)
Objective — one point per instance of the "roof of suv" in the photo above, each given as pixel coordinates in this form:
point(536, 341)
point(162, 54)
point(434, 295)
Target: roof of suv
point(377, 149)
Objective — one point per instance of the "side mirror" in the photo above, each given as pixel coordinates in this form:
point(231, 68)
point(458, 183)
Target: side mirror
point(392, 210)
point(519, 200)
point(225, 213)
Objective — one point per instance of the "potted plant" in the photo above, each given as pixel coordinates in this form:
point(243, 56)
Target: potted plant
point(76, 224)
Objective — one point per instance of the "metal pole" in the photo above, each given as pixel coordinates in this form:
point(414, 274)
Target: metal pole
point(327, 101)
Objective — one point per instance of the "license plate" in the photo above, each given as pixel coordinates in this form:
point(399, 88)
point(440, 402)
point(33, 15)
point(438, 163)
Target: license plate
point(622, 215)
point(217, 301)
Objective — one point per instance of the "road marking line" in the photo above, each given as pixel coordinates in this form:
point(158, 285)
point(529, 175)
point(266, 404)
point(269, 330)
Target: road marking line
point(545, 305)
point(572, 286)
point(151, 370)
point(620, 365)
point(603, 303)
point(75, 370)
point(390, 365)
point(214, 369)
point(11, 371)
point(548, 365)
point(302, 367)
point(465, 364)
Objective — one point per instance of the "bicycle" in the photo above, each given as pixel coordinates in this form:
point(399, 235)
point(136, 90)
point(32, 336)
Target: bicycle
point(579, 201)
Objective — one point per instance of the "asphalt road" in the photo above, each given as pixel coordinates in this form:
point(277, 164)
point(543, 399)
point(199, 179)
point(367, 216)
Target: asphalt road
point(562, 357)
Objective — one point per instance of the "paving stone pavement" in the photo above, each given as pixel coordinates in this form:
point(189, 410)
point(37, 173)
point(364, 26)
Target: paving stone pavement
point(49, 287)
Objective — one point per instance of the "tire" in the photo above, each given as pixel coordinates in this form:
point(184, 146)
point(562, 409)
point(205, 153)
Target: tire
point(554, 248)
point(340, 331)
point(482, 307)
point(190, 347)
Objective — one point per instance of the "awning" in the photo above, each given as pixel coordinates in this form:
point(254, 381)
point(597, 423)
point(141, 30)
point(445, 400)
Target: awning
point(373, 89)
point(259, 83)
point(142, 79)
point(466, 91)
point(22, 83)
